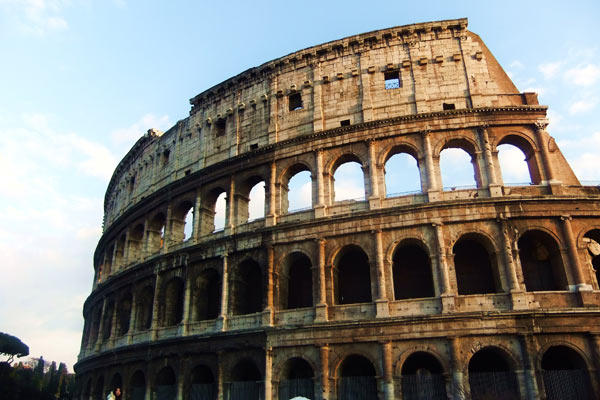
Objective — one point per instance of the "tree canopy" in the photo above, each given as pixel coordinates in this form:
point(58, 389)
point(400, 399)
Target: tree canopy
point(12, 346)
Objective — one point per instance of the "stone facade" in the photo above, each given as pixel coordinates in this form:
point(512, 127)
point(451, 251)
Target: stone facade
point(446, 293)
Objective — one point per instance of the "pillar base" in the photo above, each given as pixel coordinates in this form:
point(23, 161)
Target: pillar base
point(270, 220)
point(518, 300)
point(382, 308)
point(267, 317)
point(374, 203)
point(587, 297)
point(319, 211)
point(321, 313)
point(495, 190)
point(434, 195)
point(221, 324)
point(555, 186)
point(448, 303)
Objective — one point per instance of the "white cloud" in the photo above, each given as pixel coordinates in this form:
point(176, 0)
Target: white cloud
point(583, 155)
point(349, 182)
point(516, 64)
point(583, 75)
point(512, 164)
point(550, 70)
point(36, 16)
point(126, 137)
point(582, 106)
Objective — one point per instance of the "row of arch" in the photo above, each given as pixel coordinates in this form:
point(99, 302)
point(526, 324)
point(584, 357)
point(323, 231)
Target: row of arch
point(477, 270)
point(268, 192)
point(491, 374)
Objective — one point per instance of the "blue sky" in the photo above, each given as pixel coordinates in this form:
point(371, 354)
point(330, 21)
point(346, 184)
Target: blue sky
point(81, 80)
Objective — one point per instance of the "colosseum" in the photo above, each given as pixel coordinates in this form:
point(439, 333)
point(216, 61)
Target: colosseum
point(482, 292)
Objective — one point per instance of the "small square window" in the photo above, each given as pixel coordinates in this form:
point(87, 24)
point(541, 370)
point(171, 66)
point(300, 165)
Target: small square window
point(165, 157)
point(448, 106)
point(345, 122)
point(220, 126)
point(254, 146)
point(392, 80)
point(295, 101)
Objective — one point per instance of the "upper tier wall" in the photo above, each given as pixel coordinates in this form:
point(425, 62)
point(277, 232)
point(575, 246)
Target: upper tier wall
point(438, 65)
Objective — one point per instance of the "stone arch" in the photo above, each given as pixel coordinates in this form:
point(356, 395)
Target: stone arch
point(352, 275)
point(116, 382)
point(295, 267)
point(207, 295)
point(286, 176)
point(423, 377)
point(565, 373)
point(96, 316)
point(180, 220)
point(124, 313)
point(242, 196)
point(171, 306)
point(296, 379)
point(136, 240)
point(356, 378)
point(397, 150)
point(412, 270)
point(202, 383)
point(208, 211)
point(87, 389)
point(476, 264)
point(246, 381)
point(107, 319)
point(137, 386)
point(98, 393)
point(144, 302)
point(466, 144)
point(155, 232)
point(492, 374)
point(165, 384)
point(541, 261)
point(342, 160)
point(528, 148)
point(247, 288)
point(120, 244)
point(591, 243)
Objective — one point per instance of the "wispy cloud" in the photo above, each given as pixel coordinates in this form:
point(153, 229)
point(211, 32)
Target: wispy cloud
point(582, 106)
point(36, 16)
point(550, 70)
point(126, 137)
point(583, 75)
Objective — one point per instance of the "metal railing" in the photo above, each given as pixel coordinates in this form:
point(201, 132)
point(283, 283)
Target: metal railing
point(291, 388)
point(301, 209)
point(399, 194)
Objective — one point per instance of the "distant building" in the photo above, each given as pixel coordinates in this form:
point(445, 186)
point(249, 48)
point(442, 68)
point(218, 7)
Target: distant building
point(488, 291)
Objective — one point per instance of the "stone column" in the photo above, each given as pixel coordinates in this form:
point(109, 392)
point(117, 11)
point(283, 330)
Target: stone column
point(132, 318)
point(268, 374)
point(388, 371)
point(433, 188)
point(230, 220)
point(528, 352)
point(595, 344)
point(268, 313)
point(113, 325)
point(271, 216)
point(321, 308)
point(155, 306)
point(542, 136)
point(320, 206)
point(324, 353)
point(187, 305)
point(490, 170)
point(222, 320)
point(458, 390)
point(373, 195)
point(447, 294)
point(168, 233)
point(578, 274)
point(220, 376)
point(518, 298)
point(197, 216)
point(381, 301)
point(101, 326)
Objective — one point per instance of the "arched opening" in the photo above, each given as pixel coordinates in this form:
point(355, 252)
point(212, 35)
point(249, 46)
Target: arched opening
point(172, 306)
point(422, 378)
point(87, 389)
point(202, 384)
point(144, 302)
point(352, 276)
point(296, 189)
point(592, 243)
point(357, 379)
point(182, 221)
point(107, 320)
point(491, 376)
point(156, 233)
point(120, 253)
point(348, 179)
point(517, 161)
point(165, 384)
point(412, 272)
point(123, 314)
point(458, 165)
point(95, 325)
point(474, 267)
point(295, 287)
point(136, 237)
point(541, 262)
point(218, 213)
point(99, 389)
point(116, 382)
point(402, 174)
point(296, 380)
point(108, 258)
point(247, 288)
point(246, 382)
point(137, 386)
point(256, 202)
point(565, 375)
point(207, 295)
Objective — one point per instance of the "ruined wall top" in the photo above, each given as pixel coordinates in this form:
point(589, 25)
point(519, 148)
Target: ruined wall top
point(433, 67)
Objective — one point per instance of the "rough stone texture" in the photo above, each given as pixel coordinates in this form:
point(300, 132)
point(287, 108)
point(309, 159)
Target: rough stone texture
point(503, 274)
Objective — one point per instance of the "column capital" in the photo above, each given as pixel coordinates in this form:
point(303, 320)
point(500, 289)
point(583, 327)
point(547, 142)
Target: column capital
point(541, 125)
point(565, 218)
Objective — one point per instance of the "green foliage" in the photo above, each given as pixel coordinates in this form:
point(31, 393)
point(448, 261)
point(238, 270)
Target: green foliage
point(22, 382)
point(12, 346)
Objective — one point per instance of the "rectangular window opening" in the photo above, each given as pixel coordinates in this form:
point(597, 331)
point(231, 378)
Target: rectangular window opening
point(254, 146)
point(448, 106)
point(220, 127)
point(345, 122)
point(165, 157)
point(392, 80)
point(295, 101)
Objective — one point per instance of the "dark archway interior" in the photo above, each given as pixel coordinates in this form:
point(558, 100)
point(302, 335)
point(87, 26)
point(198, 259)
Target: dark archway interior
point(99, 389)
point(107, 323)
point(422, 378)
point(353, 276)
point(296, 380)
point(137, 389)
point(565, 375)
point(245, 371)
point(246, 382)
point(203, 385)
point(541, 262)
point(166, 388)
point(202, 374)
point(116, 382)
point(412, 273)
point(173, 302)
point(474, 274)
point(592, 239)
point(144, 308)
point(208, 295)
point(247, 288)
point(298, 282)
point(166, 377)
point(357, 379)
point(491, 377)
point(124, 315)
